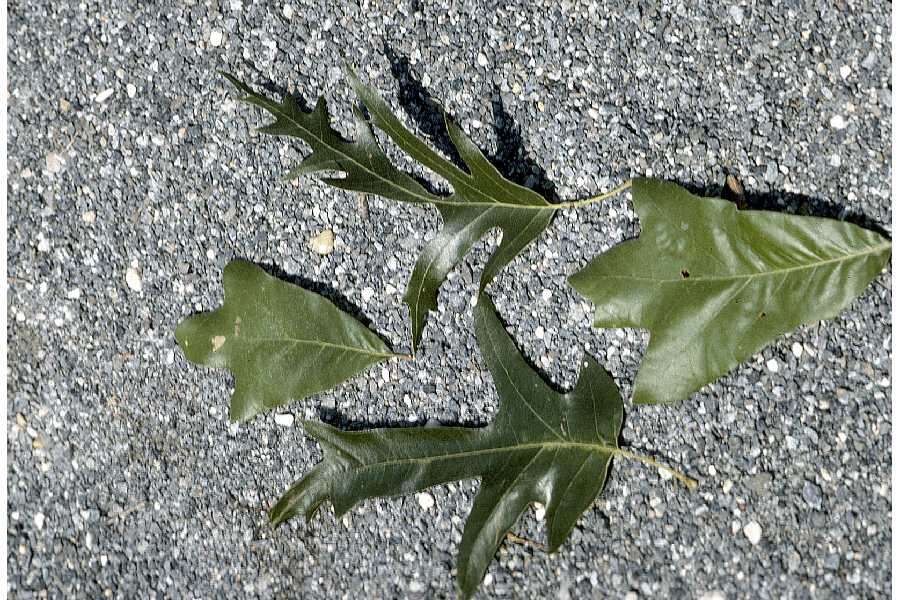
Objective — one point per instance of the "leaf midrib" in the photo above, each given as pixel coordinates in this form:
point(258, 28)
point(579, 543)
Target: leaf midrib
point(563, 445)
point(437, 200)
point(750, 276)
point(342, 347)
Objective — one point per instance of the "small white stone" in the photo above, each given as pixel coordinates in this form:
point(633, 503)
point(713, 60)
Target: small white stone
point(726, 487)
point(55, 163)
point(797, 349)
point(288, 11)
point(838, 122)
point(284, 419)
point(131, 90)
point(482, 59)
point(323, 243)
point(73, 294)
point(772, 365)
point(43, 244)
point(215, 38)
point(88, 216)
point(104, 95)
point(835, 160)
point(133, 279)
point(426, 500)
point(416, 586)
point(845, 71)
point(753, 532)
point(714, 595)
point(539, 332)
point(664, 474)
point(367, 294)
point(546, 295)
point(488, 579)
point(39, 520)
point(737, 14)
point(540, 511)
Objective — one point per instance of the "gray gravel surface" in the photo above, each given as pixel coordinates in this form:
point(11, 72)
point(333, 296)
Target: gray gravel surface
point(128, 151)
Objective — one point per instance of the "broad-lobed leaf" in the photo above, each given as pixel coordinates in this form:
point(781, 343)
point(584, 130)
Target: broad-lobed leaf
point(481, 198)
point(714, 284)
point(280, 341)
point(543, 446)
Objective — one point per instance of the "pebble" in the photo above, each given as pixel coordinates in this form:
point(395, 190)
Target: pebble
point(714, 595)
point(39, 520)
point(104, 95)
point(753, 532)
point(426, 500)
point(737, 14)
point(482, 59)
point(284, 419)
point(288, 11)
point(73, 294)
point(323, 243)
point(89, 216)
point(812, 495)
point(55, 163)
point(215, 38)
point(540, 511)
point(845, 71)
point(797, 350)
point(133, 279)
point(131, 90)
point(772, 365)
point(838, 122)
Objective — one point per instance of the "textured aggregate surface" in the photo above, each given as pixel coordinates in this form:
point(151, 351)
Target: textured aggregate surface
point(131, 167)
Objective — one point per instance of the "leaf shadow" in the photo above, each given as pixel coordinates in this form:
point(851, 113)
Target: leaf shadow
point(273, 88)
point(326, 291)
point(511, 158)
point(338, 419)
point(789, 203)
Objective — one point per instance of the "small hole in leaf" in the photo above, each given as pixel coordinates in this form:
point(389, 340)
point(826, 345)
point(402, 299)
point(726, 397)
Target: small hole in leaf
point(762, 315)
point(685, 273)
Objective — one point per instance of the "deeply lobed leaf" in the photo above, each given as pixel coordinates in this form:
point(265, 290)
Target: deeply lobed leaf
point(542, 447)
point(481, 197)
point(714, 284)
point(280, 341)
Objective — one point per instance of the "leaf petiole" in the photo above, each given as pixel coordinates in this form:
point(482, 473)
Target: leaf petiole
point(688, 482)
point(598, 198)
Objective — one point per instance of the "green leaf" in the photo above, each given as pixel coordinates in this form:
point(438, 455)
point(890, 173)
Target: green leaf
point(715, 284)
point(280, 341)
point(481, 198)
point(542, 447)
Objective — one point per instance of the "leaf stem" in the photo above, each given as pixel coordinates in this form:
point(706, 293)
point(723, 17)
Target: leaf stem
point(403, 356)
point(524, 541)
point(688, 482)
point(598, 198)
